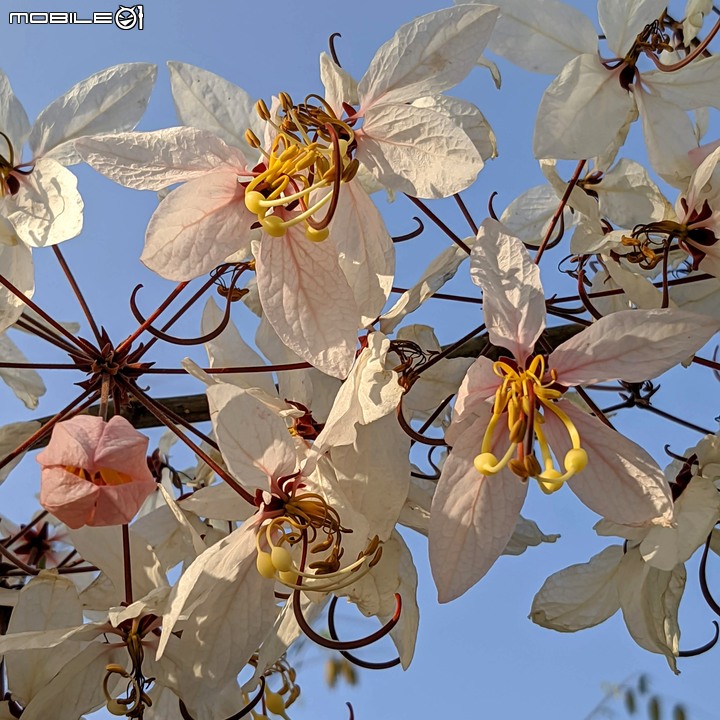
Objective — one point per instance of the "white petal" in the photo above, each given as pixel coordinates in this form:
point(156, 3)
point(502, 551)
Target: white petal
point(228, 349)
point(541, 36)
point(308, 301)
point(254, 440)
point(339, 85)
point(371, 392)
point(110, 100)
point(47, 208)
point(472, 517)
point(205, 100)
point(365, 251)
point(580, 596)
point(103, 547)
point(13, 121)
point(374, 473)
point(669, 136)
point(621, 481)
point(696, 512)
point(427, 55)
point(528, 216)
point(649, 599)
point(581, 112)
point(694, 86)
point(49, 601)
point(417, 151)
point(11, 436)
point(25, 383)
point(513, 299)
point(440, 270)
point(78, 687)
point(623, 20)
point(467, 117)
point(16, 265)
point(218, 502)
point(526, 534)
point(154, 160)
point(197, 226)
point(631, 345)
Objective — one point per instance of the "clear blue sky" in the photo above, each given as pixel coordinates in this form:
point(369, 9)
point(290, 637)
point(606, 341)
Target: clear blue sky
point(479, 656)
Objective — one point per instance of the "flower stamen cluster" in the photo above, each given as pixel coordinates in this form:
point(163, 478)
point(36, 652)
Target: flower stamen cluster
point(522, 397)
point(301, 521)
point(311, 152)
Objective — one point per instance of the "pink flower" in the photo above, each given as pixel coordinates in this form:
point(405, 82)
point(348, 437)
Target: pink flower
point(511, 423)
point(95, 472)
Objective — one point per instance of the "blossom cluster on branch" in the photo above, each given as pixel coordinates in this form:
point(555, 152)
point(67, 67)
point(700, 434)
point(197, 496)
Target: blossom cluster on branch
point(149, 590)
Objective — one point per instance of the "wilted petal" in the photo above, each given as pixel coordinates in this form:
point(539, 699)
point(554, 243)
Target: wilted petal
point(631, 345)
point(621, 481)
point(112, 99)
point(527, 534)
point(513, 298)
point(472, 517)
point(11, 436)
point(427, 55)
point(197, 226)
point(580, 596)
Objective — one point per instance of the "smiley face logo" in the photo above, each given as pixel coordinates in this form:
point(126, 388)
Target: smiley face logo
point(126, 18)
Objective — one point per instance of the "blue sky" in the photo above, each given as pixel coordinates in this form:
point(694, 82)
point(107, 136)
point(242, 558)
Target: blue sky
point(479, 656)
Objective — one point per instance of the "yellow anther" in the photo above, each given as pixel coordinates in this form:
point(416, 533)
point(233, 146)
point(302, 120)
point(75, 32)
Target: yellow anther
point(274, 703)
point(253, 202)
point(281, 558)
point(252, 139)
point(550, 481)
point(262, 110)
point(288, 577)
point(265, 564)
point(115, 707)
point(486, 463)
point(316, 235)
point(273, 225)
point(575, 460)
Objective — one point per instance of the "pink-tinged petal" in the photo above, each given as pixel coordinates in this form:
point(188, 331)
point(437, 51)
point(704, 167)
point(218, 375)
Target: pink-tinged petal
point(621, 481)
point(197, 226)
point(95, 473)
point(631, 345)
point(255, 441)
point(513, 298)
point(472, 517)
point(308, 301)
point(365, 251)
point(478, 386)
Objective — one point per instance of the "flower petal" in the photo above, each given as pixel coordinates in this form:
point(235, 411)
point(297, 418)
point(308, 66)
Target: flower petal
point(472, 516)
point(513, 299)
point(197, 226)
point(631, 345)
point(623, 20)
point(621, 481)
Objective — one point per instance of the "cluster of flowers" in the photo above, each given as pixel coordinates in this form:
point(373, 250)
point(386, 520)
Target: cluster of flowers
point(314, 462)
